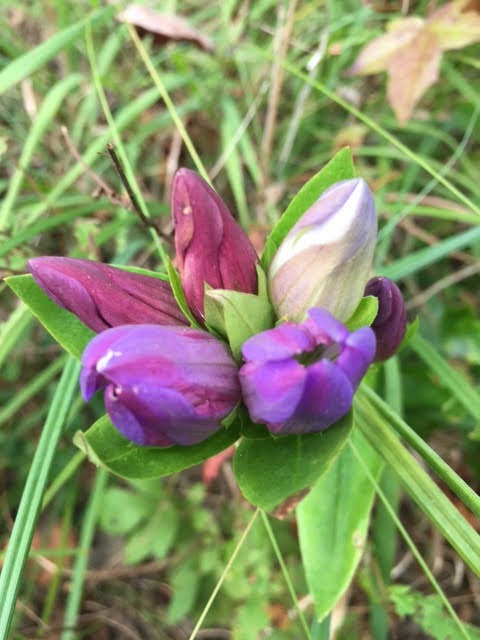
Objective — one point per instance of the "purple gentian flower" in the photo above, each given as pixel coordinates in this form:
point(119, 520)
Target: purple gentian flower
point(302, 378)
point(102, 296)
point(163, 385)
point(210, 246)
point(326, 258)
point(391, 319)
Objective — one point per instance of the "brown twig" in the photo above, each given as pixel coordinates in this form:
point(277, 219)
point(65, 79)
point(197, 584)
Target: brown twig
point(418, 232)
point(128, 188)
point(281, 46)
point(448, 281)
point(113, 197)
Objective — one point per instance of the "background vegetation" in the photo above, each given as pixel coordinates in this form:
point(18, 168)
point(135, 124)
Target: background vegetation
point(266, 104)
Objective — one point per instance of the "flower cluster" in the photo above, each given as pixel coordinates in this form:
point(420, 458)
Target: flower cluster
point(166, 383)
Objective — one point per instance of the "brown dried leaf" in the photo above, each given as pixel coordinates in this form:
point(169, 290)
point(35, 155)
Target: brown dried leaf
point(454, 27)
point(411, 73)
point(411, 49)
point(377, 55)
point(165, 27)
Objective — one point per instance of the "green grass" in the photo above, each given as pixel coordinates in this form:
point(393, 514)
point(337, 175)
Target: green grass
point(168, 106)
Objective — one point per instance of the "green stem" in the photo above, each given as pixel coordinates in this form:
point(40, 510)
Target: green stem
point(286, 575)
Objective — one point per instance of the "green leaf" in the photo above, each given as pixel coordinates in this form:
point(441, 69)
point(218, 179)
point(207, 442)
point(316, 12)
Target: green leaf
point(364, 314)
point(65, 328)
point(237, 315)
point(270, 471)
point(104, 445)
point(155, 537)
point(123, 510)
point(185, 581)
point(333, 524)
point(339, 168)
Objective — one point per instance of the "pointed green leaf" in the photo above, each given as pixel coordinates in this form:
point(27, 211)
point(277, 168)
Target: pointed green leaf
point(104, 445)
point(65, 328)
point(272, 470)
point(339, 168)
point(333, 524)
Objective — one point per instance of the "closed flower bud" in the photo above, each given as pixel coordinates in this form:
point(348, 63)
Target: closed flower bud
point(302, 378)
point(391, 319)
point(163, 385)
point(326, 258)
point(102, 296)
point(210, 246)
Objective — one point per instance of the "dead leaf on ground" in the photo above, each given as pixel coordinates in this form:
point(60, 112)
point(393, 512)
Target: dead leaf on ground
point(165, 27)
point(411, 50)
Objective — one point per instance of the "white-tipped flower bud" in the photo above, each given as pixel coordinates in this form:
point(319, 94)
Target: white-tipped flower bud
point(326, 258)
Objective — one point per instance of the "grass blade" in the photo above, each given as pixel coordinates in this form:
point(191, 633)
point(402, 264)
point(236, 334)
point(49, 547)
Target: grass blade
point(31, 501)
point(434, 461)
point(92, 512)
point(44, 117)
point(417, 482)
point(36, 58)
point(454, 380)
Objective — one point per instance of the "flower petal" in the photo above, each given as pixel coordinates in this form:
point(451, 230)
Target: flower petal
point(272, 391)
point(286, 340)
point(357, 355)
point(327, 396)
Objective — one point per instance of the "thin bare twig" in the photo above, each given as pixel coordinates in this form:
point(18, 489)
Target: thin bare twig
point(113, 197)
point(133, 198)
point(448, 281)
point(418, 232)
point(277, 79)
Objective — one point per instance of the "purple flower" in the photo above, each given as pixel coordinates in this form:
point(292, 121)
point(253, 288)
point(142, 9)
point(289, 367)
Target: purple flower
point(163, 385)
point(326, 258)
point(302, 378)
point(210, 246)
point(102, 296)
point(391, 319)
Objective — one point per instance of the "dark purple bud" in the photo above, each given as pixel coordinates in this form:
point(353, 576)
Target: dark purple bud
point(391, 319)
point(163, 385)
point(102, 296)
point(210, 246)
point(302, 378)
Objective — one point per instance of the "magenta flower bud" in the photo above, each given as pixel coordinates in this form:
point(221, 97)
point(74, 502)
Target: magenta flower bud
point(326, 258)
point(210, 246)
point(391, 319)
point(102, 296)
point(163, 385)
point(302, 378)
